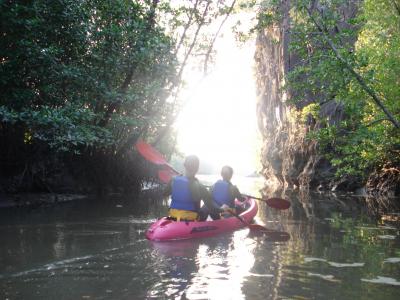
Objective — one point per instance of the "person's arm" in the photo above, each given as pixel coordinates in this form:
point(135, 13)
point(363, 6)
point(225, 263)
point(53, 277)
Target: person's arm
point(206, 196)
point(236, 193)
point(194, 186)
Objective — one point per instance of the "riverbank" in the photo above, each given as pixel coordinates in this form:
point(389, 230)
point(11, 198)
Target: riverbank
point(36, 199)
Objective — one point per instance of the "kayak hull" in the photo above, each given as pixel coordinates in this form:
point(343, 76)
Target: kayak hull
point(169, 230)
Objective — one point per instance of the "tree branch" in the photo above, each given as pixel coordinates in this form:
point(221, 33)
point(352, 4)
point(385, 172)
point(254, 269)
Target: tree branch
point(346, 64)
point(171, 121)
point(216, 36)
point(376, 121)
point(396, 6)
point(186, 27)
point(194, 40)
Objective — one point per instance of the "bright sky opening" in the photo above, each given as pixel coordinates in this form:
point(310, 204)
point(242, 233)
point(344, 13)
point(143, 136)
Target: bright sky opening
point(218, 123)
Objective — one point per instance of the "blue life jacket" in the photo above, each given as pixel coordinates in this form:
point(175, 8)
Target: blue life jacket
point(181, 194)
point(221, 193)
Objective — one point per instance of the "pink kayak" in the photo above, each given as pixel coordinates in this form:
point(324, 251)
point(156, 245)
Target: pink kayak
point(167, 230)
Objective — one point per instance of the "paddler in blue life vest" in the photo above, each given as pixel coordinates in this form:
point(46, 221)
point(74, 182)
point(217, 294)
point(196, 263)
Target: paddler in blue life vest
point(224, 192)
point(187, 192)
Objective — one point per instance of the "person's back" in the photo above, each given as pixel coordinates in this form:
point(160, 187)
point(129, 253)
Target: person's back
point(224, 192)
point(221, 192)
point(187, 192)
point(183, 205)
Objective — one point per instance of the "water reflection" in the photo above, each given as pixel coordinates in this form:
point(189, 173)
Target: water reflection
point(207, 269)
point(223, 268)
point(176, 258)
point(232, 266)
point(59, 245)
point(338, 247)
point(97, 250)
point(185, 248)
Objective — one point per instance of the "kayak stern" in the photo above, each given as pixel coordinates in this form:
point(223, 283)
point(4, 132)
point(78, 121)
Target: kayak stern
point(168, 230)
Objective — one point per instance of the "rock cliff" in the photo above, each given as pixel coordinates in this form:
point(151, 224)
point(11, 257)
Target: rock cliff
point(289, 158)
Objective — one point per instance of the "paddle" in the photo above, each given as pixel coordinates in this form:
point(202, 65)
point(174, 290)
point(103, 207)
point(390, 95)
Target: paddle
point(276, 203)
point(152, 155)
point(273, 234)
point(165, 175)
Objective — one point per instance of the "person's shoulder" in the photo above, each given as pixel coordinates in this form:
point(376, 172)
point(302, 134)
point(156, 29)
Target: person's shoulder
point(231, 185)
point(234, 188)
point(197, 183)
point(194, 181)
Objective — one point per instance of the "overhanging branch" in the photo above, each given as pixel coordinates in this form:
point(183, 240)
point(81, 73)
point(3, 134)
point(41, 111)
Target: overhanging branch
point(357, 76)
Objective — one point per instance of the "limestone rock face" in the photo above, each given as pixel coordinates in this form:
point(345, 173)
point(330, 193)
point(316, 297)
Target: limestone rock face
point(288, 157)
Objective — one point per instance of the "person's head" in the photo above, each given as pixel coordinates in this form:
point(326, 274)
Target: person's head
point(227, 173)
point(191, 165)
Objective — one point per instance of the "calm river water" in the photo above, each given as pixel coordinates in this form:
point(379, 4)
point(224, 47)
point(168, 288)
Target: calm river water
point(96, 249)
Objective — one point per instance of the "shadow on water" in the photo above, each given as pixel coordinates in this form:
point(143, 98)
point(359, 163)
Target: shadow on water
point(96, 249)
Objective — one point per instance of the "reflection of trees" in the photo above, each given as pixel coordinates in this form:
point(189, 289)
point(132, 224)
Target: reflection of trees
point(285, 253)
point(384, 207)
point(325, 226)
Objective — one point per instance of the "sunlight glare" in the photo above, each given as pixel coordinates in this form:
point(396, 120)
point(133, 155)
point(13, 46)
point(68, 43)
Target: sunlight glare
point(223, 269)
point(219, 121)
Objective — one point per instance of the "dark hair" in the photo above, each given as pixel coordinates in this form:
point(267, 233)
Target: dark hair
point(226, 172)
point(192, 163)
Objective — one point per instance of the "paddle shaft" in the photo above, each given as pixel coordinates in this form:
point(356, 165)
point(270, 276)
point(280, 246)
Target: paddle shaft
point(254, 227)
point(172, 168)
point(239, 217)
point(250, 196)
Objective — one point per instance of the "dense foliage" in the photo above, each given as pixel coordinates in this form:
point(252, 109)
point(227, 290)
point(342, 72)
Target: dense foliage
point(66, 67)
point(348, 52)
point(83, 80)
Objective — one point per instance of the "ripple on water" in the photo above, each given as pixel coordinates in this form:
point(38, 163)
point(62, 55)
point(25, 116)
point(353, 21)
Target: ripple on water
point(382, 280)
point(130, 220)
point(325, 277)
point(387, 237)
point(345, 265)
point(382, 227)
point(260, 275)
point(311, 259)
point(332, 263)
point(94, 232)
point(392, 260)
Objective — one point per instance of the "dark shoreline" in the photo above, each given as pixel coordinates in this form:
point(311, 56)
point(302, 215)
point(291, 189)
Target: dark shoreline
point(37, 199)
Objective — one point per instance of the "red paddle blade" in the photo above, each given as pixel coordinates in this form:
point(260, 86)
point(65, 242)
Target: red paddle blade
point(149, 153)
point(278, 203)
point(165, 176)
